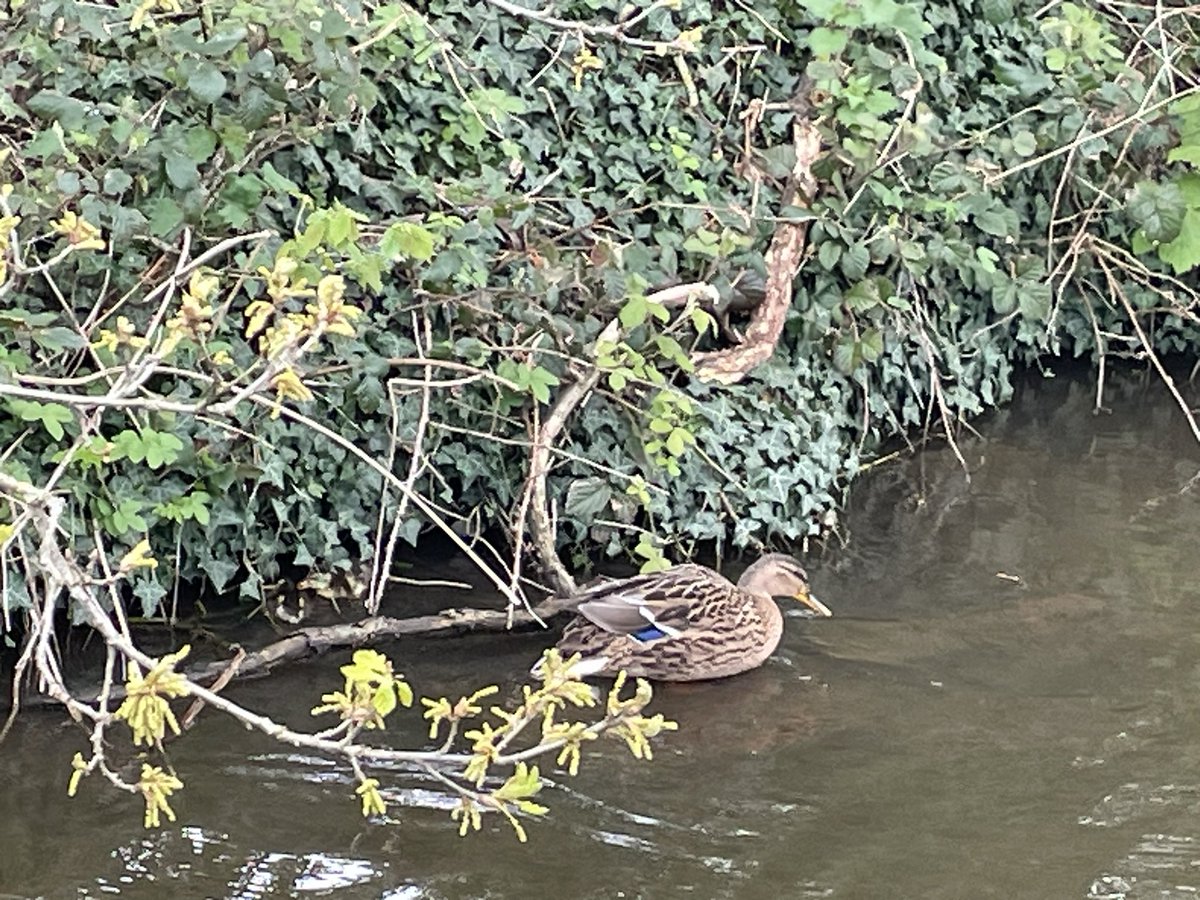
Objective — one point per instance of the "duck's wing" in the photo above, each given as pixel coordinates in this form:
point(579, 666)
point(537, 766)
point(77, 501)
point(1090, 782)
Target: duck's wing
point(654, 606)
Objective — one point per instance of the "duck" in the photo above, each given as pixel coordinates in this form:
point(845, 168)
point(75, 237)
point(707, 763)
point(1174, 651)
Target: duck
point(686, 623)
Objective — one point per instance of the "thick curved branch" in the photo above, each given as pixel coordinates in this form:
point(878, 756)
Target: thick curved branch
point(783, 263)
point(541, 525)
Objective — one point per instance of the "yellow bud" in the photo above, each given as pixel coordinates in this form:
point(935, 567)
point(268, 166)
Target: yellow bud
point(139, 557)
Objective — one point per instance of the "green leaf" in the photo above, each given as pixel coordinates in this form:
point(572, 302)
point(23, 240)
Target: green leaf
point(540, 382)
point(181, 170)
point(165, 216)
point(587, 498)
point(206, 83)
point(1034, 301)
point(384, 700)
point(1024, 143)
point(855, 260)
point(702, 321)
point(524, 782)
point(1183, 253)
point(828, 254)
point(128, 444)
point(404, 692)
point(1187, 117)
point(406, 240)
point(634, 312)
point(987, 258)
point(1005, 296)
point(827, 41)
point(992, 221)
point(868, 294)
point(161, 448)
point(117, 181)
point(127, 517)
point(66, 111)
point(1157, 208)
point(200, 143)
point(678, 440)
point(58, 339)
point(997, 12)
point(845, 355)
point(871, 345)
point(52, 416)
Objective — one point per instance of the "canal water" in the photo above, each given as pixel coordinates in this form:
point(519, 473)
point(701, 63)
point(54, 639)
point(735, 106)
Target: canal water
point(1005, 705)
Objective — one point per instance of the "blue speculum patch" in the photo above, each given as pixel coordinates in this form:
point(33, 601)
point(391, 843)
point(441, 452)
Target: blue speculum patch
point(650, 633)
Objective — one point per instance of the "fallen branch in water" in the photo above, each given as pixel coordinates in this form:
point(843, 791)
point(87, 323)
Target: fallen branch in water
point(372, 691)
point(315, 640)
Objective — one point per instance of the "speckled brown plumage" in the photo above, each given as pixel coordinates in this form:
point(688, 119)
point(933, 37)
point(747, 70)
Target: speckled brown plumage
point(688, 623)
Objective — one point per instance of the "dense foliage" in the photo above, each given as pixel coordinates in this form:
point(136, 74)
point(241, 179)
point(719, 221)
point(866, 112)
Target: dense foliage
point(1003, 180)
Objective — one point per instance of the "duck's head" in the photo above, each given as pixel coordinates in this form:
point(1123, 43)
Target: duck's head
point(778, 575)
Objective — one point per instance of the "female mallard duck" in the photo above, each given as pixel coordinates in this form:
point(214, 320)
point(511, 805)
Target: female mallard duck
point(687, 623)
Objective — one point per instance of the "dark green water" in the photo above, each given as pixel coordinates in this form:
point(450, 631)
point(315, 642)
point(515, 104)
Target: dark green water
point(950, 734)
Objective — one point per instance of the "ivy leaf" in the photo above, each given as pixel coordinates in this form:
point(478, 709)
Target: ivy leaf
point(540, 382)
point(1157, 208)
point(997, 12)
point(871, 345)
point(206, 83)
point(52, 416)
point(161, 448)
point(845, 355)
point(151, 592)
point(278, 182)
point(405, 240)
point(223, 41)
point(57, 339)
point(165, 216)
point(1004, 297)
point(1024, 143)
point(220, 571)
point(1183, 253)
point(66, 111)
point(181, 170)
point(1034, 300)
point(116, 182)
point(827, 41)
point(588, 497)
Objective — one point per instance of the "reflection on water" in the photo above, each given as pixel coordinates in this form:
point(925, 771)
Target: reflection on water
point(1004, 706)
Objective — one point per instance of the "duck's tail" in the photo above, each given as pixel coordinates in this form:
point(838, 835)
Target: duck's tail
point(585, 668)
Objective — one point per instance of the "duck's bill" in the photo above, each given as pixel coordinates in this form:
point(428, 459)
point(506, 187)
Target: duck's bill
point(814, 604)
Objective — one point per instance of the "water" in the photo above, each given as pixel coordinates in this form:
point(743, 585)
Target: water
point(1004, 706)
